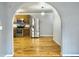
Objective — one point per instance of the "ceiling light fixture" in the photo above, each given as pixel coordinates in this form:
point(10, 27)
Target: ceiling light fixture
point(42, 13)
point(20, 10)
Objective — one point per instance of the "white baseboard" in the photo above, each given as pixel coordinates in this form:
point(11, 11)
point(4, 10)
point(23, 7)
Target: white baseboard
point(57, 42)
point(52, 36)
point(62, 55)
point(46, 35)
point(71, 55)
point(9, 55)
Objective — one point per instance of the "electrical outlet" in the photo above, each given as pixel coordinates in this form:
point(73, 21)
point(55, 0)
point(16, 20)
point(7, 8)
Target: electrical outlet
point(1, 27)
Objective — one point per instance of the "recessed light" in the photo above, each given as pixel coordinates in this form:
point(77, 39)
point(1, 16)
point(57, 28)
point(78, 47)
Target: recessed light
point(42, 13)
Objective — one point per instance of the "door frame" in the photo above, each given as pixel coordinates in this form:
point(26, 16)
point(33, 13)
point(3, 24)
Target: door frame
point(56, 14)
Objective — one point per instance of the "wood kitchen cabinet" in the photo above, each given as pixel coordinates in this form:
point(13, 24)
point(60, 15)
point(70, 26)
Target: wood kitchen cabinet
point(21, 32)
point(21, 29)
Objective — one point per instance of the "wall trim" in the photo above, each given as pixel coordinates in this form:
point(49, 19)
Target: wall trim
point(47, 35)
point(57, 42)
point(53, 39)
point(71, 55)
point(9, 55)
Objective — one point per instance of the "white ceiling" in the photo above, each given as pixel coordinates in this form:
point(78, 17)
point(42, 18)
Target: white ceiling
point(35, 8)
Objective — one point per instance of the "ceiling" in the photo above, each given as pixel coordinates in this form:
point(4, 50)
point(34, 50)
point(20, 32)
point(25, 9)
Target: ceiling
point(35, 8)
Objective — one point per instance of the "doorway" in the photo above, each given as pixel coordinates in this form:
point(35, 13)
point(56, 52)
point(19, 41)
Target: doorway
point(33, 31)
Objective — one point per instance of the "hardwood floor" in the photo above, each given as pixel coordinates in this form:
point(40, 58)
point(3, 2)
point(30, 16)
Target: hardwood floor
point(43, 46)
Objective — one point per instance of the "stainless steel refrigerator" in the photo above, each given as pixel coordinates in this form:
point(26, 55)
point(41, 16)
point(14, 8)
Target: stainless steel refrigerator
point(35, 27)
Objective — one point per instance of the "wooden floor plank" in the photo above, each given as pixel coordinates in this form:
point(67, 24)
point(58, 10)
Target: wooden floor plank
point(43, 46)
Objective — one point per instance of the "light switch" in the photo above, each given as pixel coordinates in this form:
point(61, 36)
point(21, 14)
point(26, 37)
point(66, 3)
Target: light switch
point(1, 28)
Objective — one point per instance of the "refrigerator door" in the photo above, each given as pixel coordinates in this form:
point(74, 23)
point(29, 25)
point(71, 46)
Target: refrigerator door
point(35, 28)
point(32, 27)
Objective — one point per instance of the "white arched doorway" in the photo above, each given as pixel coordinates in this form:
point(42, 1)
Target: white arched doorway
point(56, 22)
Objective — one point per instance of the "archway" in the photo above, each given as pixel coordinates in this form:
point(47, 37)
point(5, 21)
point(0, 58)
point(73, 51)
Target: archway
point(56, 22)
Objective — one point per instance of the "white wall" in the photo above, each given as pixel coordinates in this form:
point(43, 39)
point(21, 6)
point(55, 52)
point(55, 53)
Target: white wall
point(57, 29)
point(11, 9)
point(70, 30)
point(2, 32)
